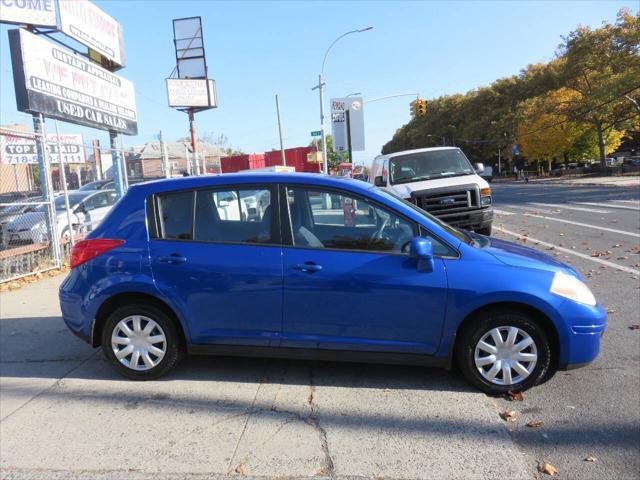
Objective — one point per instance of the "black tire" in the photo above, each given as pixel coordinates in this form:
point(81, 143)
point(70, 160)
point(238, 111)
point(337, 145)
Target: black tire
point(174, 348)
point(485, 231)
point(470, 336)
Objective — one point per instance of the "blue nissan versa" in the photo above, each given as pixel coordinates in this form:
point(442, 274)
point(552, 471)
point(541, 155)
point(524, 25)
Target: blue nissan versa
point(309, 266)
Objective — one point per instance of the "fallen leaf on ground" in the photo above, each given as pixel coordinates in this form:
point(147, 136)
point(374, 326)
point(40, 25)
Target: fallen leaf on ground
point(508, 416)
point(634, 327)
point(240, 469)
point(591, 459)
point(535, 424)
point(386, 390)
point(547, 468)
point(514, 396)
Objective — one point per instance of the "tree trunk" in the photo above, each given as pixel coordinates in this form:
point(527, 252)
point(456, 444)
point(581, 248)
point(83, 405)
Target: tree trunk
point(601, 146)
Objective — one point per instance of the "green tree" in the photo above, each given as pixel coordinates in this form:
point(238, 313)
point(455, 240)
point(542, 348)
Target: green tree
point(334, 158)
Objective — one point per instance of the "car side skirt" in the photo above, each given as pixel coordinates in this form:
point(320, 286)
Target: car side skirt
point(322, 355)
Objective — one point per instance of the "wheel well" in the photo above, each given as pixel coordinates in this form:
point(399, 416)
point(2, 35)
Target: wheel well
point(117, 301)
point(536, 315)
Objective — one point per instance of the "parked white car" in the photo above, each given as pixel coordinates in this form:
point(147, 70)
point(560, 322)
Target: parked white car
point(441, 181)
point(88, 208)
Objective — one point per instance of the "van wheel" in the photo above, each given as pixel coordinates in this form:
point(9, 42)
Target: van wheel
point(141, 342)
point(504, 350)
point(485, 231)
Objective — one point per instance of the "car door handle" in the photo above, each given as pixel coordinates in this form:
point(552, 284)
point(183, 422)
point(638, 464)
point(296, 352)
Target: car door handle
point(173, 258)
point(308, 267)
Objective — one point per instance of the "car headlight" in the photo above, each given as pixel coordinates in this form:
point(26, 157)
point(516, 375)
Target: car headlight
point(485, 197)
point(572, 288)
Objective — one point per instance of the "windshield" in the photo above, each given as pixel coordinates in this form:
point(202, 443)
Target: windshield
point(459, 234)
point(431, 164)
point(74, 199)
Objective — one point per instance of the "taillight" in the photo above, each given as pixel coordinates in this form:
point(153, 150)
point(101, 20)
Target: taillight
point(85, 250)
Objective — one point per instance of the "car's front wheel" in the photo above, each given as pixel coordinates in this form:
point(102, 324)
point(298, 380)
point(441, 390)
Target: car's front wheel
point(504, 350)
point(141, 341)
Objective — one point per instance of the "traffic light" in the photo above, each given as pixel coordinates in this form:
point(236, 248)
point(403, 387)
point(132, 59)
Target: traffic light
point(414, 108)
point(422, 107)
point(418, 108)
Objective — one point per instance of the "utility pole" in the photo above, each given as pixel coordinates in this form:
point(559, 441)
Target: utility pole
point(284, 158)
point(194, 141)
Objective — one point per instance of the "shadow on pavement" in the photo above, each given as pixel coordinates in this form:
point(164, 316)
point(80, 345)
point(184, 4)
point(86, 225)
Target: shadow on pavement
point(525, 193)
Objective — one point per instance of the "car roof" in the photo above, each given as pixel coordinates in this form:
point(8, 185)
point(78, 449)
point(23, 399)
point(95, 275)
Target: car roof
point(416, 150)
point(184, 183)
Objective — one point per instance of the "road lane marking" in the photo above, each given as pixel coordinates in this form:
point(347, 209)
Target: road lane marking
point(567, 207)
point(570, 222)
point(633, 202)
point(568, 251)
point(532, 209)
point(609, 205)
point(502, 212)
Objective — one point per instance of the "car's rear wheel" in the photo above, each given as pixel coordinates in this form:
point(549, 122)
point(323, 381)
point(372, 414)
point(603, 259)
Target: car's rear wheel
point(504, 350)
point(141, 341)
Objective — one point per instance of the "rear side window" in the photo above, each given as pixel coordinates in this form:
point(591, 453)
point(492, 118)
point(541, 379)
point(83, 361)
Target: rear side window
point(234, 216)
point(175, 213)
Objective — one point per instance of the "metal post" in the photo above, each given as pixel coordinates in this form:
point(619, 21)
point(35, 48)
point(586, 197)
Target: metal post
point(63, 179)
point(188, 159)
point(349, 149)
point(45, 185)
point(284, 159)
point(325, 154)
point(15, 177)
point(97, 160)
point(499, 163)
point(115, 156)
point(165, 159)
point(79, 175)
point(125, 176)
point(194, 141)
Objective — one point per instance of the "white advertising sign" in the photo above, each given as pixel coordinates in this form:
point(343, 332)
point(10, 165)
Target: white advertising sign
point(20, 150)
point(50, 80)
point(41, 13)
point(339, 107)
point(191, 93)
point(88, 24)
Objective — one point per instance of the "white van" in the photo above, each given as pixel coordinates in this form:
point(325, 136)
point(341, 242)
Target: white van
point(441, 181)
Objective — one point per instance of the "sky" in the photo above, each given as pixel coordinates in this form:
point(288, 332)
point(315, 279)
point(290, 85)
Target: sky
point(256, 50)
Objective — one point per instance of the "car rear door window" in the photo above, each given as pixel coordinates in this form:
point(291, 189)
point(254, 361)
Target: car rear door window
point(175, 214)
point(234, 215)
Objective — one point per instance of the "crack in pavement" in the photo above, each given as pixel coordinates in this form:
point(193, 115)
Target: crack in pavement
point(328, 467)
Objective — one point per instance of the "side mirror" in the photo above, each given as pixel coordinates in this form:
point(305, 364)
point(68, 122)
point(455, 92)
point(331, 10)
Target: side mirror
point(479, 167)
point(379, 181)
point(422, 250)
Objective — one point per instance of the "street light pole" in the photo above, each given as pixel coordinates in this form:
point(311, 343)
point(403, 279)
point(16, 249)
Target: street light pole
point(320, 87)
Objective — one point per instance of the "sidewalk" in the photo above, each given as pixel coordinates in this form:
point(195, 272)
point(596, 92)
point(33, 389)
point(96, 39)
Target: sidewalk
point(617, 181)
point(66, 414)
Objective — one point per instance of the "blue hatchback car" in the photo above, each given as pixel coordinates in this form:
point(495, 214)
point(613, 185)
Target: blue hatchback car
point(309, 266)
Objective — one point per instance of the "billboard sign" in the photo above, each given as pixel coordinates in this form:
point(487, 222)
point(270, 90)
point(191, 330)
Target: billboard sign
point(41, 13)
point(16, 150)
point(339, 123)
point(190, 57)
point(59, 84)
point(85, 22)
point(191, 93)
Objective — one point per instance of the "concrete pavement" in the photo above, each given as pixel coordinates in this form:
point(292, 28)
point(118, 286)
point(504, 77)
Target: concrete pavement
point(65, 414)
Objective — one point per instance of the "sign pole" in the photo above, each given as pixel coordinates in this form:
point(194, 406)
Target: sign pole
point(45, 183)
point(350, 149)
point(194, 141)
point(63, 180)
point(284, 158)
point(115, 156)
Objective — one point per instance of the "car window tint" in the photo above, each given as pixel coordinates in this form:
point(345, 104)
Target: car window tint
point(176, 215)
point(327, 219)
point(234, 216)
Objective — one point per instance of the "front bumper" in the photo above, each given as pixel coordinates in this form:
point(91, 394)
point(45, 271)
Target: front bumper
point(582, 343)
point(471, 219)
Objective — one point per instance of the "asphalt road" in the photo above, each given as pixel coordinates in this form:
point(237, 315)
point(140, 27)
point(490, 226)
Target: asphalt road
point(65, 414)
point(593, 411)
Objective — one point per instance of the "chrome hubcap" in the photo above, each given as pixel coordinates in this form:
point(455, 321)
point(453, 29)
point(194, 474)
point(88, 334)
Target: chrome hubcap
point(506, 355)
point(138, 342)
